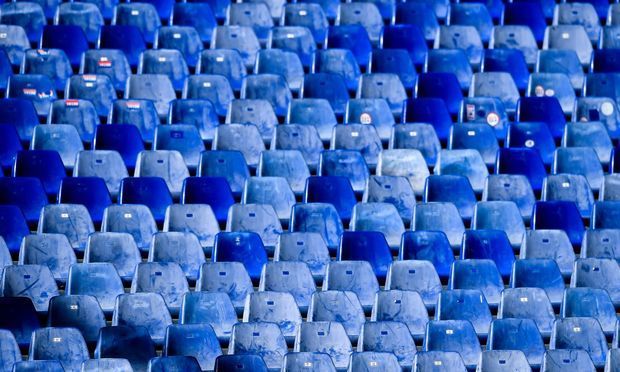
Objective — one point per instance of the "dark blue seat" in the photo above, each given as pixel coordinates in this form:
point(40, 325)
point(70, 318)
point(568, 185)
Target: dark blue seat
point(542, 109)
point(69, 38)
point(331, 87)
point(124, 139)
point(590, 302)
point(10, 350)
point(85, 15)
point(526, 13)
point(65, 345)
point(13, 226)
point(21, 114)
point(489, 244)
point(52, 63)
point(441, 85)
point(319, 218)
point(507, 60)
point(31, 281)
point(463, 305)
point(213, 191)
point(92, 192)
point(244, 247)
point(167, 363)
point(20, 318)
point(452, 189)
point(149, 191)
point(345, 163)
point(419, 14)
point(545, 215)
point(46, 165)
point(583, 334)
point(394, 61)
point(27, 193)
point(450, 61)
point(453, 335)
point(232, 280)
point(522, 161)
point(38, 89)
point(126, 38)
point(429, 110)
point(536, 135)
point(427, 245)
point(558, 84)
point(30, 16)
point(117, 248)
point(477, 274)
point(131, 343)
point(539, 273)
point(604, 215)
point(353, 37)
point(80, 312)
point(394, 309)
point(419, 276)
point(195, 340)
point(517, 334)
point(80, 114)
point(230, 165)
point(334, 190)
point(199, 15)
point(251, 362)
point(368, 246)
point(182, 138)
point(407, 37)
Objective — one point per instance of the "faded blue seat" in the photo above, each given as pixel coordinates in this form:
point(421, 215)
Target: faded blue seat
point(198, 219)
point(296, 39)
point(165, 278)
point(477, 274)
point(253, 15)
point(280, 62)
point(464, 305)
point(549, 244)
point(560, 359)
point(199, 113)
point(51, 250)
point(476, 136)
point(589, 134)
point(146, 310)
point(10, 350)
point(321, 218)
point(136, 220)
point(338, 61)
point(453, 335)
point(596, 273)
point(168, 62)
point(155, 87)
point(345, 163)
point(131, 343)
point(209, 308)
point(241, 38)
point(500, 215)
point(379, 217)
point(601, 84)
point(52, 63)
point(85, 15)
point(274, 191)
point(278, 93)
point(257, 218)
point(289, 164)
point(98, 89)
point(195, 340)
point(485, 110)
point(357, 277)
point(561, 61)
point(365, 14)
point(143, 16)
point(553, 84)
point(35, 282)
point(79, 113)
point(311, 112)
point(463, 37)
point(140, 114)
point(583, 14)
point(99, 280)
point(601, 109)
point(15, 44)
point(580, 333)
point(495, 84)
point(519, 37)
point(306, 14)
point(325, 337)
point(569, 187)
point(499, 359)
point(579, 160)
point(394, 190)
point(65, 345)
point(182, 248)
point(472, 14)
point(539, 273)
point(117, 248)
point(165, 164)
point(528, 303)
point(590, 302)
point(419, 136)
point(62, 138)
point(71, 220)
point(334, 190)
point(439, 216)
point(228, 137)
point(274, 307)
point(338, 306)
point(263, 339)
point(388, 337)
point(28, 15)
point(226, 62)
point(184, 38)
point(230, 165)
point(578, 41)
point(431, 246)
point(515, 188)
point(110, 62)
point(393, 309)
point(358, 137)
point(234, 282)
point(600, 243)
point(373, 111)
point(517, 334)
point(183, 138)
point(298, 361)
point(292, 277)
point(419, 276)
point(387, 86)
point(306, 247)
point(465, 162)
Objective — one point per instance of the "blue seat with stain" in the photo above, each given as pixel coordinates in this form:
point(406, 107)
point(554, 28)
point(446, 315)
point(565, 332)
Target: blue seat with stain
point(28, 15)
point(241, 38)
point(77, 311)
point(561, 61)
point(143, 16)
point(353, 37)
point(321, 218)
point(315, 112)
point(369, 246)
point(225, 62)
point(182, 248)
point(560, 359)
point(165, 278)
point(379, 217)
point(419, 136)
point(453, 335)
point(280, 62)
point(465, 305)
point(428, 245)
point(388, 337)
point(580, 333)
point(197, 219)
point(65, 345)
point(52, 63)
point(338, 306)
point(517, 334)
point(100, 280)
point(589, 134)
point(168, 62)
point(597, 273)
point(415, 275)
point(51, 250)
point(528, 303)
point(136, 220)
point(35, 282)
point(489, 244)
point(579, 160)
point(519, 37)
point(146, 310)
point(358, 277)
point(439, 216)
point(419, 14)
point(477, 274)
point(535, 135)
point(496, 84)
point(539, 273)
point(38, 89)
point(569, 37)
point(451, 189)
point(71, 220)
point(338, 61)
point(62, 138)
point(195, 340)
point(345, 163)
point(325, 337)
point(274, 307)
point(231, 279)
point(259, 338)
point(511, 61)
point(428, 110)
point(394, 308)
point(155, 87)
point(569, 187)
point(117, 248)
point(15, 44)
point(10, 350)
point(590, 302)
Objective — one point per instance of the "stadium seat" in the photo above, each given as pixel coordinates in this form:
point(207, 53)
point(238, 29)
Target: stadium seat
point(309, 15)
point(497, 84)
point(582, 14)
point(131, 343)
point(276, 276)
point(321, 218)
point(373, 111)
point(91, 192)
point(165, 278)
point(197, 219)
point(580, 333)
point(330, 87)
point(569, 187)
point(10, 144)
point(589, 302)
point(65, 345)
point(559, 359)
point(309, 112)
point(182, 362)
point(10, 350)
point(124, 139)
point(230, 278)
point(227, 137)
point(549, 244)
point(511, 61)
point(26, 193)
point(576, 39)
point(5, 254)
point(117, 248)
point(429, 110)
point(109, 62)
point(439, 216)
point(258, 112)
point(136, 220)
point(263, 339)
point(77, 311)
point(213, 191)
point(274, 307)
point(146, 310)
point(71, 220)
point(338, 61)
point(143, 16)
point(209, 308)
point(28, 15)
point(242, 38)
point(196, 112)
point(244, 247)
point(596, 273)
point(253, 15)
point(472, 14)
point(200, 16)
point(431, 246)
point(100, 280)
point(20, 318)
point(553, 85)
point(467, 38)
point(451, 189)
point(167, 164)
point(226, 62)
point(182, 248)
point(612, 360)
point(279, 62)
point(528, 303)
point(182, 138)
point(539, 273)
point(593, 135)
point(522, 161)
point(353, 37)
point(489, 244)
point(168, 62)
point(45, 165)
point(500, 215)
point(296, 39)
point(297, 361)
point(335, 190)
point(274, 191)
point(337, 306)
point(356, 277)
point(517, 334)
point(601, 109)
point(394, 190)
point(526, 13)
point(51, 250)
point(388, 337)
point(579, 160)
point(544, 216)
point(151, 192)
point(157, 88)
point(195, 340)
point(387, 86)
point(477, 274)
point(13, 226)
point(85, 15)
point(248, 361)
point(519, 37)
point(561, 61)
point(394, 61)
point(257, 218)
point(511, 188)
point(61, 138)
point(98, 89)
point(15, 43)
point(467, 163)
point(288, 164)
point(52, 63)
point(80, 114)
point(278, 93)
point(453, 335)
point(407, 37)
point(35, 282)
point(485, 110)
point(230, 165)
point(141, 114)
point(184, 39)
point(535, 135)
point(417, 276)
point(345, 163)
point(419, 136)
point(358, 137)
point(38, 89)
point(599, 243)
point(69, 38)
point(477, 136)
point(395, 307)
point(309, 248)
point(380, 217)
point(464, 304)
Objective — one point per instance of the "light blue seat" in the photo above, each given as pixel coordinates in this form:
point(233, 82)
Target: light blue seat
point(321, 218)
point(71, 220)
point(417, 276)
point(230, 278)
point(582, 14)
point(569, 187)
point(325, 337)
point(228, 137)
point(280, 62)
point(495, 84)
point(274, 307)
point(209, 308)
point(387, 337)
point(155, 87)
point(382, 217)
point(475, 136)
point(582, 334)
point(51, 250)
point(31, 281)
point(539, 273)
point(241, 38)
point(453, 335)
point(589, 134)
point(182, 248)
point(387, 86)
point(500, 215)
point(603, 109)
point(553, 84)
point(288, 164)
point(77, 311)
point(419, 136)
point(577, 40)
point(579, 160)
point(590, 302)
point(549, 244)
point(197, 112)
point(136, 220)
point(260, 219)
point(515, 37)
point(355, 277)
point(278, 93)
point(463, 37)
point(214, 87)
point(441, 216)
point(292, 277)
point(63, 138)
point(450, 360)
point(226, 62)
point(517, 334)
point(100, 280)
point(394, 190)
point(185, 34)
point(259, 338)
point(165, 278)
point(600, 243)
point(65, 345)
point(345, 163)
point(198, 219)
point(401, 307)
point(338, 61)
point(528, 303)
point(274, 191)
point(408, 163)
point(464, 305)
point(477, 274)
point(183, 138)
point(195, 340)
point(143, 309)
point(564, 61)
point(167, 62)
point(338, 306)
point(596, 273)
point(307, 247)
point(359, 137)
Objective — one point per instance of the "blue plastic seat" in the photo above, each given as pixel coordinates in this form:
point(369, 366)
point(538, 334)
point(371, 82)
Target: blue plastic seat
point(98, 89)
point(146, 310)
point(519, 37)
point(124, 139)
point(136, 220)
point(263, 339)
point(583, 14)
point(27, 194)
point(306, 247)
point(242, 38)
point(15, 44)
point(393, 309)
point(316, 112)
point(611, 362)
point(596, 273)
point(227, 164)
point(419, 276)
point(463, 37)
point(248, 361)
point(439, 216)
point(298, 137)
point(579, 160)
point(369, 246)
point(65, 345)
point(13, 226)
point(69, 38)
point(167, 363)
point(309, 15)
point(85, 15)
point(200, 16)
point(419, 14)
point(453, 335)
point(182, 248)
point(292, 277)
point(35, 282)
point(254, 15)
point(542, 109)
point(517, 334)
point(213, 191)
point(589, 134)
point(222, 285)
point(407, 37)
point(258, 218)
point(197, 219)
point(169, 62)
point(335, 190)
point(464, 304)
point(46, 165)
point(196, 112)
point(394, 190)
point(496, 84)
point(378, 217)
point(274, 191)
point(451, 189)
point(5, 254)
point(345, 163)
point(365, 14)
point(52, 63)
point(528, 303)
point(388, 337)
point(278, 93)
point(143, 16)
point(244, 247)
point(358, 137)
point(10, 144)
point(553, 84)
point(227, 137)
point(183, 39)
point(485, 110)
point(429, 110)
point(62, 138)
point(296, 39)
point(511, 61)
point(499, 359)
point(71, 220)
point(328, 86)
point(489, 244)
point(52, 250)
point(560, 359)
point(10, 350)
point(394, 61)
point(419, 136)
point(157, 88)
point(226, 62)
point(29, 16)
point(590, 302)
point(449, 61)
point(337, 306)
point(466, 162)
point(167, 164)
point(387, 86)
point(131, 343)
point(477, 274)
point(117, 248)
point(279, 62)
point(91, 192)
point(539, 273)
point(288, 164)
point(514, 188)
point(319, 218)
point(535, 135)
point(299, 361)
point(109, 62)
point(38, 89)
point(599, 243)
point(338, 61)
point(522, 161)
point(100, 280)
point(258, 112)
point(477, 136)
point(526, 13)
point(358, 277)
point(78, 113)
point(601, 109)
point(607, 38)
point(544, 216)
point(549, 244)
point(274, 307)
point(472, 14)
point(373, 360)
point(577, 41)
point(149, 191)
point(104, 164)
point(442, 85)
point(569, 187)
point(486, 215)
point(431, 246)
point(425, 360)
point(165, 278)
point(601, 84)
point(195, 340)
point(353, 37)
point(182, 138)
point(580, 333)
point(561, 61)
point(38, 365)
point(20, 318)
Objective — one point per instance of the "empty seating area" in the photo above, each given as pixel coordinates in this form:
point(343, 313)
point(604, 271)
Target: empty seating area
point(310, 185)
